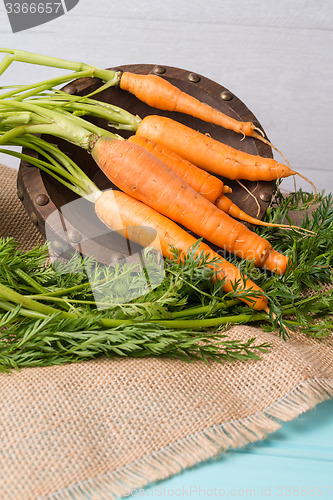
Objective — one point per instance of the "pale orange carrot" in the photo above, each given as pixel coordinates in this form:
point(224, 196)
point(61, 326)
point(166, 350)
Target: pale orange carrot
point(204, 183)
point(141, 175)
point(209, 154)
point(208, 186)
point(212, 155)
point(161, 94)
point(123, 213)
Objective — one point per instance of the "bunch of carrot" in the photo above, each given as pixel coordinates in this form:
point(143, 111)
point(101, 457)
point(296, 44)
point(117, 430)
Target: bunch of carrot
point(162, 172)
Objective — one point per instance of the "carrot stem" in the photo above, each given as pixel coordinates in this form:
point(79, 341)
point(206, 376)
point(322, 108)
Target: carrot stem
point(27, 313)
point(68, 127)
point(42, 165)
point(113, 323)
point(30, 281)
point(17, 298)
point(60, 166)
point(55, 62)
point(117, 117)
point(55, 123)
point(13, 118)
point(65, 291)
point(43, 85)
point(194, 323)
point(194, 311)
point(5, 63)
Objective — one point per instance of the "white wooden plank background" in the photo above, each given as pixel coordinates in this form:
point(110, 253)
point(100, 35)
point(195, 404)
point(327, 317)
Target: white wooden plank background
point(275, 55)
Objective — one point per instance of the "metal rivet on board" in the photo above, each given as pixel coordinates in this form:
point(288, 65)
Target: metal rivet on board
point(41, 199)
point(266, 197)
point(226, 95)
point(159, 70)
point(194, 78)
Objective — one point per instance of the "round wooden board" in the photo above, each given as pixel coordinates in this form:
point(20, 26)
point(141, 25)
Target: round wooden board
point(42, 196)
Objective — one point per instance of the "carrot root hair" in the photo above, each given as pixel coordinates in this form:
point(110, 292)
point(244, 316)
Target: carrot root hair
point(250, 194)
point(266, 141)
point(312, 184)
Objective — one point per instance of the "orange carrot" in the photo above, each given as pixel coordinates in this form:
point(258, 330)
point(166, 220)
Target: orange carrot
point(209, 154)
point(212, 155)
point(208, 186)
point(118, 210)
point(204, 183)
point(161, 94)
point(141, 175)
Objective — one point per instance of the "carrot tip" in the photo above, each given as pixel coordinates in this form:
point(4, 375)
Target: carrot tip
point(266, 141)
point(276, 262)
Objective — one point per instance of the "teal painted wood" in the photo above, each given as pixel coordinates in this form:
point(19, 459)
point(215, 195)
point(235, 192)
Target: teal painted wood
point(295, 461)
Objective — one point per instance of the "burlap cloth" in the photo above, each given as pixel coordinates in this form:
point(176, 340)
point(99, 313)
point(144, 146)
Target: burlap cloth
point(98, 429)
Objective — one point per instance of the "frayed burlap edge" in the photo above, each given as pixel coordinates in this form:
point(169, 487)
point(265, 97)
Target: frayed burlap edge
point(200, 446)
